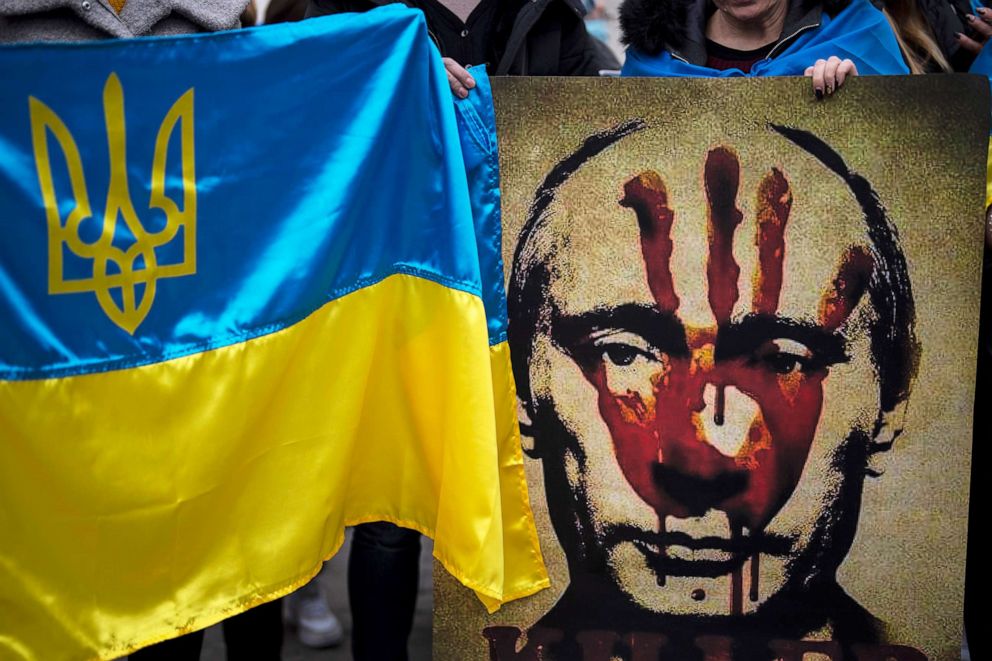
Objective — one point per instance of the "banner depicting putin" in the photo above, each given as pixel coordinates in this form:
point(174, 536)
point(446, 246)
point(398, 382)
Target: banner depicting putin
point(743, 332)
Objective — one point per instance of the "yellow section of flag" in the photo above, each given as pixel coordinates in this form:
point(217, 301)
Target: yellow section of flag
point(173, 495)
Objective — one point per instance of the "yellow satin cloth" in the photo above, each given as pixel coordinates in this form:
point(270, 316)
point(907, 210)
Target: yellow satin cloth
point(988, 182)
point(171, 491)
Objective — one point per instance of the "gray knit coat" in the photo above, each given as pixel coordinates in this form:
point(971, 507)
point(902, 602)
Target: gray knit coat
point(82, 20)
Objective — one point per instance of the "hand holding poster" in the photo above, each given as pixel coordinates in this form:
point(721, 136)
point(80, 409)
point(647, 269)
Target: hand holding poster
point(742, 326)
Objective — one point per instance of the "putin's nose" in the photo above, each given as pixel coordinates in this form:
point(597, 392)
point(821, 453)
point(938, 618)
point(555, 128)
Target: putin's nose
point(698, 464)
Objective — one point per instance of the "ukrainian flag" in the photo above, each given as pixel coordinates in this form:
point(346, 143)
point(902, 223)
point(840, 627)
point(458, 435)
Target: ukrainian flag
point(246, 300)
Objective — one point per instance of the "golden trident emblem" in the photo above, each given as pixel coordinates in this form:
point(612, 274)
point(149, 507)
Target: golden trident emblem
point(113, 267)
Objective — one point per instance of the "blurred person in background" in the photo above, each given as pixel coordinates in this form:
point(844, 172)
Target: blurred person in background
point(927, 32)
point(512, 38)
point(761, 38)
point(308, 613)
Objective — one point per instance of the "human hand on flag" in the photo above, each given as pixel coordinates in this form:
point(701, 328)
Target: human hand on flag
point(459, 78)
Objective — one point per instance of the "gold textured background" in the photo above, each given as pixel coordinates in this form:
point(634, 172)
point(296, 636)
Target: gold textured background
point(921, 143)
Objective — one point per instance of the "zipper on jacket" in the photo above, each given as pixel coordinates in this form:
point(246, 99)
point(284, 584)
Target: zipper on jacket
point(792, 36)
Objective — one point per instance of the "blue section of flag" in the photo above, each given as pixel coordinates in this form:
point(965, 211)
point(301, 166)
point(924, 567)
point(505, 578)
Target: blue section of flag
point(327, 157)
point(477, 130)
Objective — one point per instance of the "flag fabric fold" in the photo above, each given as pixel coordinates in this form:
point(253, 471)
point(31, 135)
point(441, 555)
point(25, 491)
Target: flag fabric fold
point(246, 299)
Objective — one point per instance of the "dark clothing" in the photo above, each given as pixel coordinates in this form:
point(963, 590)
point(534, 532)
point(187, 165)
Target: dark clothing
point(255, 635)
point(946, 18)
point(858, 31)
point(679, 26)
point(723, 58)
point(383, 576)
point(529, 37)
point(467, 43)
point(183, 648)
point(285, 11)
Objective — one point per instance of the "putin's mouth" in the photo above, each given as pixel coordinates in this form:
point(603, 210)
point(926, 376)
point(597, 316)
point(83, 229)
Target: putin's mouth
point(678, 554)
point(700, 546)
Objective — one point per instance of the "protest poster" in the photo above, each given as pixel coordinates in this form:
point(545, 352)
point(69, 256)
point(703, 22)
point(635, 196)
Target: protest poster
point(743, 331)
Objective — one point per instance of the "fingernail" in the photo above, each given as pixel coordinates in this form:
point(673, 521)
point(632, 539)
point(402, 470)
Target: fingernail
point(818, 92)
point(982, 10)
point(971, 18)
point(463, 93)
point(471, 83)
point(830, 90)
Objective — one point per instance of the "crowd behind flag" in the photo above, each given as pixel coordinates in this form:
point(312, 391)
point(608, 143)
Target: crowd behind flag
point(226, 335)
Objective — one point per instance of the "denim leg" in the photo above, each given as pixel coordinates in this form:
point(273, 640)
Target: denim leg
point(383, 571)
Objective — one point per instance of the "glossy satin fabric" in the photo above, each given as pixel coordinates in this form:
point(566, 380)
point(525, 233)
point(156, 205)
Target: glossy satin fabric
point(477, 132)
point(339, 355)
point(304, 166)
point(860, 33)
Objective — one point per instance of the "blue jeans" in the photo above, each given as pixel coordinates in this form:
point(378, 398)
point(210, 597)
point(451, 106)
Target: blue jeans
point(383, 573)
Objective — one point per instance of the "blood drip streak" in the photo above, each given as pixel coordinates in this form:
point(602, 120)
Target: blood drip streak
point(774, 205)
point(662, 530)
point(722, 178)
point(847, 288)
point(755, 574)
point(737, 575)
point(647, 196)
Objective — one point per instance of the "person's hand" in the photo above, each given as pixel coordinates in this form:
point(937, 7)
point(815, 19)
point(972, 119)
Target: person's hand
point(981, 27)
point(828, 75)
point(461, 81)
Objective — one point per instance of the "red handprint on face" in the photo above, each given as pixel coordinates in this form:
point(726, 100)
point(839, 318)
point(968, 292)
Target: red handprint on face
point(720, 417)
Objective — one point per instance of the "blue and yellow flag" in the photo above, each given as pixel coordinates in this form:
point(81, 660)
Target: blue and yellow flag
point(245, 300)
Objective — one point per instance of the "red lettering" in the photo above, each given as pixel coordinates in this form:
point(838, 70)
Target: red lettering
point(597, 645)
point(503, 643)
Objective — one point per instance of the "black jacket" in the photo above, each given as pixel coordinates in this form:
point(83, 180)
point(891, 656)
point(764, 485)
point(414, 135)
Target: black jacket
point(544, 37)
point(945, 18)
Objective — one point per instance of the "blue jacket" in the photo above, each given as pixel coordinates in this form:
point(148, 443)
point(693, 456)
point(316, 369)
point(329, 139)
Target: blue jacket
point(858, 32)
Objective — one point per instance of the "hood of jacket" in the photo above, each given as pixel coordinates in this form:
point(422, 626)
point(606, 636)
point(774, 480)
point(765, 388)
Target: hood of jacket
point(651, 26)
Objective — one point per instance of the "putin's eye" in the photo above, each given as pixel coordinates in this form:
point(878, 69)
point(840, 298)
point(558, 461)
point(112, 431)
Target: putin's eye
point(784, 356)
point(622, 354)
point(623, 349)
